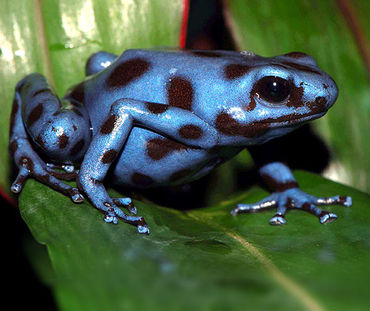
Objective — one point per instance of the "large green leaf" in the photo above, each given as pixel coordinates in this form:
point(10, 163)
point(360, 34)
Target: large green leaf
point(205, 259)
point(321, 29)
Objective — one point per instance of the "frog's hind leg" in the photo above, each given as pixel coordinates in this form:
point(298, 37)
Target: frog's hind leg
point(39, 122)
point(99, 61)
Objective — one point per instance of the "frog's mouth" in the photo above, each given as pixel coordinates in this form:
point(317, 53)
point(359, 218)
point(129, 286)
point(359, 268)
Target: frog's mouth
point(292, 119)
point(316, 108)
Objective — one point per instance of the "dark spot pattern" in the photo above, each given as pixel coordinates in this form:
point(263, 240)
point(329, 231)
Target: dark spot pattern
point(296, 55)
point(77, 147)
point(301, 67)
point(78, 92)
point(180, 174)
point(13, 146)
point(322, 214)
point(27, 163)
point(78, 112)
point(109, 124)
point(35, 114)
point(127, 72)
point(318, 105)
point(325, 86)
point(141, 180)
point(156, 108)
point(234, 71)
point(252, 103)
point(190, 132)
point(180, 93)
point(63, 140)
point(250, 106)
point(40, 141)
point(63, 175)
point(95, 181)
point(14, 112)
point(342, 199)
point(229, 126)
point(158, 148)
point(109, 156)
point(206, 53)
point(41, 91)
point(278, 186)
point(295, 98)
point(45, 179)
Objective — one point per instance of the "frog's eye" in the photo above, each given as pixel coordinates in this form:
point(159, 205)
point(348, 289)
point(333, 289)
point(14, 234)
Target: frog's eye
point(273, 89)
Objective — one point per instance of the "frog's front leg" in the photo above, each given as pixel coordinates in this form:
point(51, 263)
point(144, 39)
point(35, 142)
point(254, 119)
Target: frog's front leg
point(108, 141)
point(287, 196)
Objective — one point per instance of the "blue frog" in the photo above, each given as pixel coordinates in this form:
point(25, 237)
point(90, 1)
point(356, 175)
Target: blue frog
point(166, 117)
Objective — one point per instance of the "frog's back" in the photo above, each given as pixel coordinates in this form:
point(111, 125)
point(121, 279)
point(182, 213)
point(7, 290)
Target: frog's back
point(157, 76)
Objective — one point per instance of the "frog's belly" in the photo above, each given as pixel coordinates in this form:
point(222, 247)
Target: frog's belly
point(149, 159)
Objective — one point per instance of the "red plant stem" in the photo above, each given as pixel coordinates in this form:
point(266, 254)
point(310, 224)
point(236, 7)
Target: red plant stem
point(184, 24)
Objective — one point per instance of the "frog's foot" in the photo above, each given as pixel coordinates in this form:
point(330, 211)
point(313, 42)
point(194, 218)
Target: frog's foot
point(112, 213)
point(31, 165)
point(127, 204)
point(294, 199)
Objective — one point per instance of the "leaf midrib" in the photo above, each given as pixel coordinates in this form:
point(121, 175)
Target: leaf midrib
point(290, 286)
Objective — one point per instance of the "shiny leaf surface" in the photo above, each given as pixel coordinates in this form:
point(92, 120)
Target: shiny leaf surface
point(205, 259)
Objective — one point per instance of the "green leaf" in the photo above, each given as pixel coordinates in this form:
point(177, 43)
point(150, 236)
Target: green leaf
point(205, 259)
point(320, 29)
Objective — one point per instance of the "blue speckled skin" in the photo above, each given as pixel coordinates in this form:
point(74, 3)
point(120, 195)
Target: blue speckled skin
point(167, 117)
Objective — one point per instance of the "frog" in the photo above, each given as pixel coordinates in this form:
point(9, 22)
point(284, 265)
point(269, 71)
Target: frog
point(160, 117)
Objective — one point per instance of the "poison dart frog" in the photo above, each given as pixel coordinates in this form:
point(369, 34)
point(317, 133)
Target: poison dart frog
point(161, 117)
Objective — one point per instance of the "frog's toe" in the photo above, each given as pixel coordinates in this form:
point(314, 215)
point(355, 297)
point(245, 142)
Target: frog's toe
point(139, 222)
point(114, 212)
point(335, 200)
point(265, 203)
point(326, 217)
point(68, 168)
point(277, 220)
point(76, 196)
point(127, 204)
point(20, 180)
point(143, 229)
point(110, 217)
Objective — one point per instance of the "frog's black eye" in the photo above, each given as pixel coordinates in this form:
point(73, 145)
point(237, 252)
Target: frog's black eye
point(273, 89)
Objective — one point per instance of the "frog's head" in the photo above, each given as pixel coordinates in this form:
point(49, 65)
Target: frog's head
point(273, 96)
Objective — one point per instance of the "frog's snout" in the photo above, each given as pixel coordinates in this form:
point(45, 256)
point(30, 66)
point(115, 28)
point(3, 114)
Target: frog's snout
point(327, 93)
point(332, 90)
